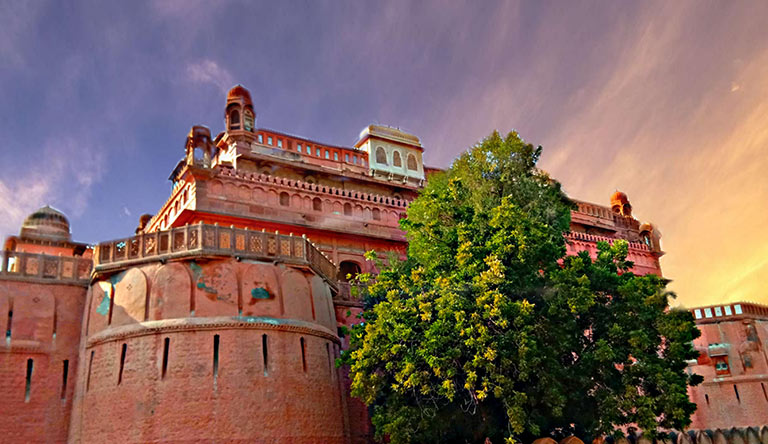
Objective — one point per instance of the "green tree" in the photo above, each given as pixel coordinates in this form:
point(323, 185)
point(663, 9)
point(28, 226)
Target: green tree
point(486, 330)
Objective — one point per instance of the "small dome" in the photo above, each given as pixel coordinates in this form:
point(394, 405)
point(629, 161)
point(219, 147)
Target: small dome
point(238, 93)
point(646, 227)
point(47, 223)
point(619, 198)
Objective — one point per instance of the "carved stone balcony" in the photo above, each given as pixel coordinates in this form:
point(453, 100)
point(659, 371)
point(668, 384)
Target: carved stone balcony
point(214, 241)
point(45, 268)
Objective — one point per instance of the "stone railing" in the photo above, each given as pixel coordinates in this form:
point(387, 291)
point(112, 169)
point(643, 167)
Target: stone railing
point(213, 240)
point(43, 267)
point(594, 210)
point(573, 235)
point(606, 214)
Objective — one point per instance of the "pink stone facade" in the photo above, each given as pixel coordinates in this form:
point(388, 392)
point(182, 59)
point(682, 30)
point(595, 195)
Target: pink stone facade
point(734, 363)
point(219, 318)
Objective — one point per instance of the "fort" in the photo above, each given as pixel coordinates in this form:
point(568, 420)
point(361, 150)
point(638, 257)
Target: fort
point(220, 318)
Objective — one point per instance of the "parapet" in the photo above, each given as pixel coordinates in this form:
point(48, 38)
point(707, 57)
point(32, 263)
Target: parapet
point(202, 240)
point(729, 312)
point(45, 268)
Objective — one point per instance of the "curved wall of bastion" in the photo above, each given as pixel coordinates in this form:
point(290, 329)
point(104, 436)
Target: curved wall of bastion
point(213, 350)
point(39, 338)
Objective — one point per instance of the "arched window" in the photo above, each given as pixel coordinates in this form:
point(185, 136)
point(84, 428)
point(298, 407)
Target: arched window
point(412, 163)
point(381, 156)
point(285, 199)
point(317, 204)
point(347, 209)
point(198, 156)
point(348, 270)
point(248, 120)
point(234, 118)
point(376, 213)
point(396, 160)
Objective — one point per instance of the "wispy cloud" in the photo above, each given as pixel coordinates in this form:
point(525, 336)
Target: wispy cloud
point(208, 71)
point(65, 162)
point(664, 127)
point(16, 18)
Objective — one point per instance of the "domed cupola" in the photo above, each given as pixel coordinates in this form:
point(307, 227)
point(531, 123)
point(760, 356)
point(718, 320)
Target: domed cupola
point(620, 204)
point(239, 114)
point(47, 224)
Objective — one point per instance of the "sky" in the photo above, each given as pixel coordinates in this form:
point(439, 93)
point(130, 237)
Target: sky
point(666, 101)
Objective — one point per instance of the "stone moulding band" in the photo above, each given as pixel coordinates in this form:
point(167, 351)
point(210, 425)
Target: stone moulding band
point(149, 328)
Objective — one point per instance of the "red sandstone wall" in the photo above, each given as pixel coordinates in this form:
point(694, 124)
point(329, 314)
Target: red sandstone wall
point(42, 415)
point(294, 401)
point(718, 405)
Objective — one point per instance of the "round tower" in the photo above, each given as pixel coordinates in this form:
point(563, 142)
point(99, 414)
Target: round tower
point(211, 347)
point(43, 281)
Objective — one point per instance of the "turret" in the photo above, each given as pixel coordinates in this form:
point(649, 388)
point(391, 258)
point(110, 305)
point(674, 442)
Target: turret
point(651, 236)
point(199, 147)
point(620, 204)
point(239, 114)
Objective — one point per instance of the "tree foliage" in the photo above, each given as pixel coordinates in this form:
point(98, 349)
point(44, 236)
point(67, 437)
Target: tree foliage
point(486, 330)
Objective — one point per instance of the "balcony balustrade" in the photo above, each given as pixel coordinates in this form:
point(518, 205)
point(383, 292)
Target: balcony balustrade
point(213, 240)
point(44, 268)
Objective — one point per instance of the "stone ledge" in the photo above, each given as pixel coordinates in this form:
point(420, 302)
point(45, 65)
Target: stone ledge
point(210, 324)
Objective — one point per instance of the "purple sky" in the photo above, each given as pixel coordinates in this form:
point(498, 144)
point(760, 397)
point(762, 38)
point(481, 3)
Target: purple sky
point(667, 101)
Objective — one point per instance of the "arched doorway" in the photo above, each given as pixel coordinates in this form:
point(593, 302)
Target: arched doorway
point(348, 270)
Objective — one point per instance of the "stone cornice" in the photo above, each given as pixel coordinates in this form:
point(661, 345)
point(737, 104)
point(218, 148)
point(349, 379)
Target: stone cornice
point(210, 324)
